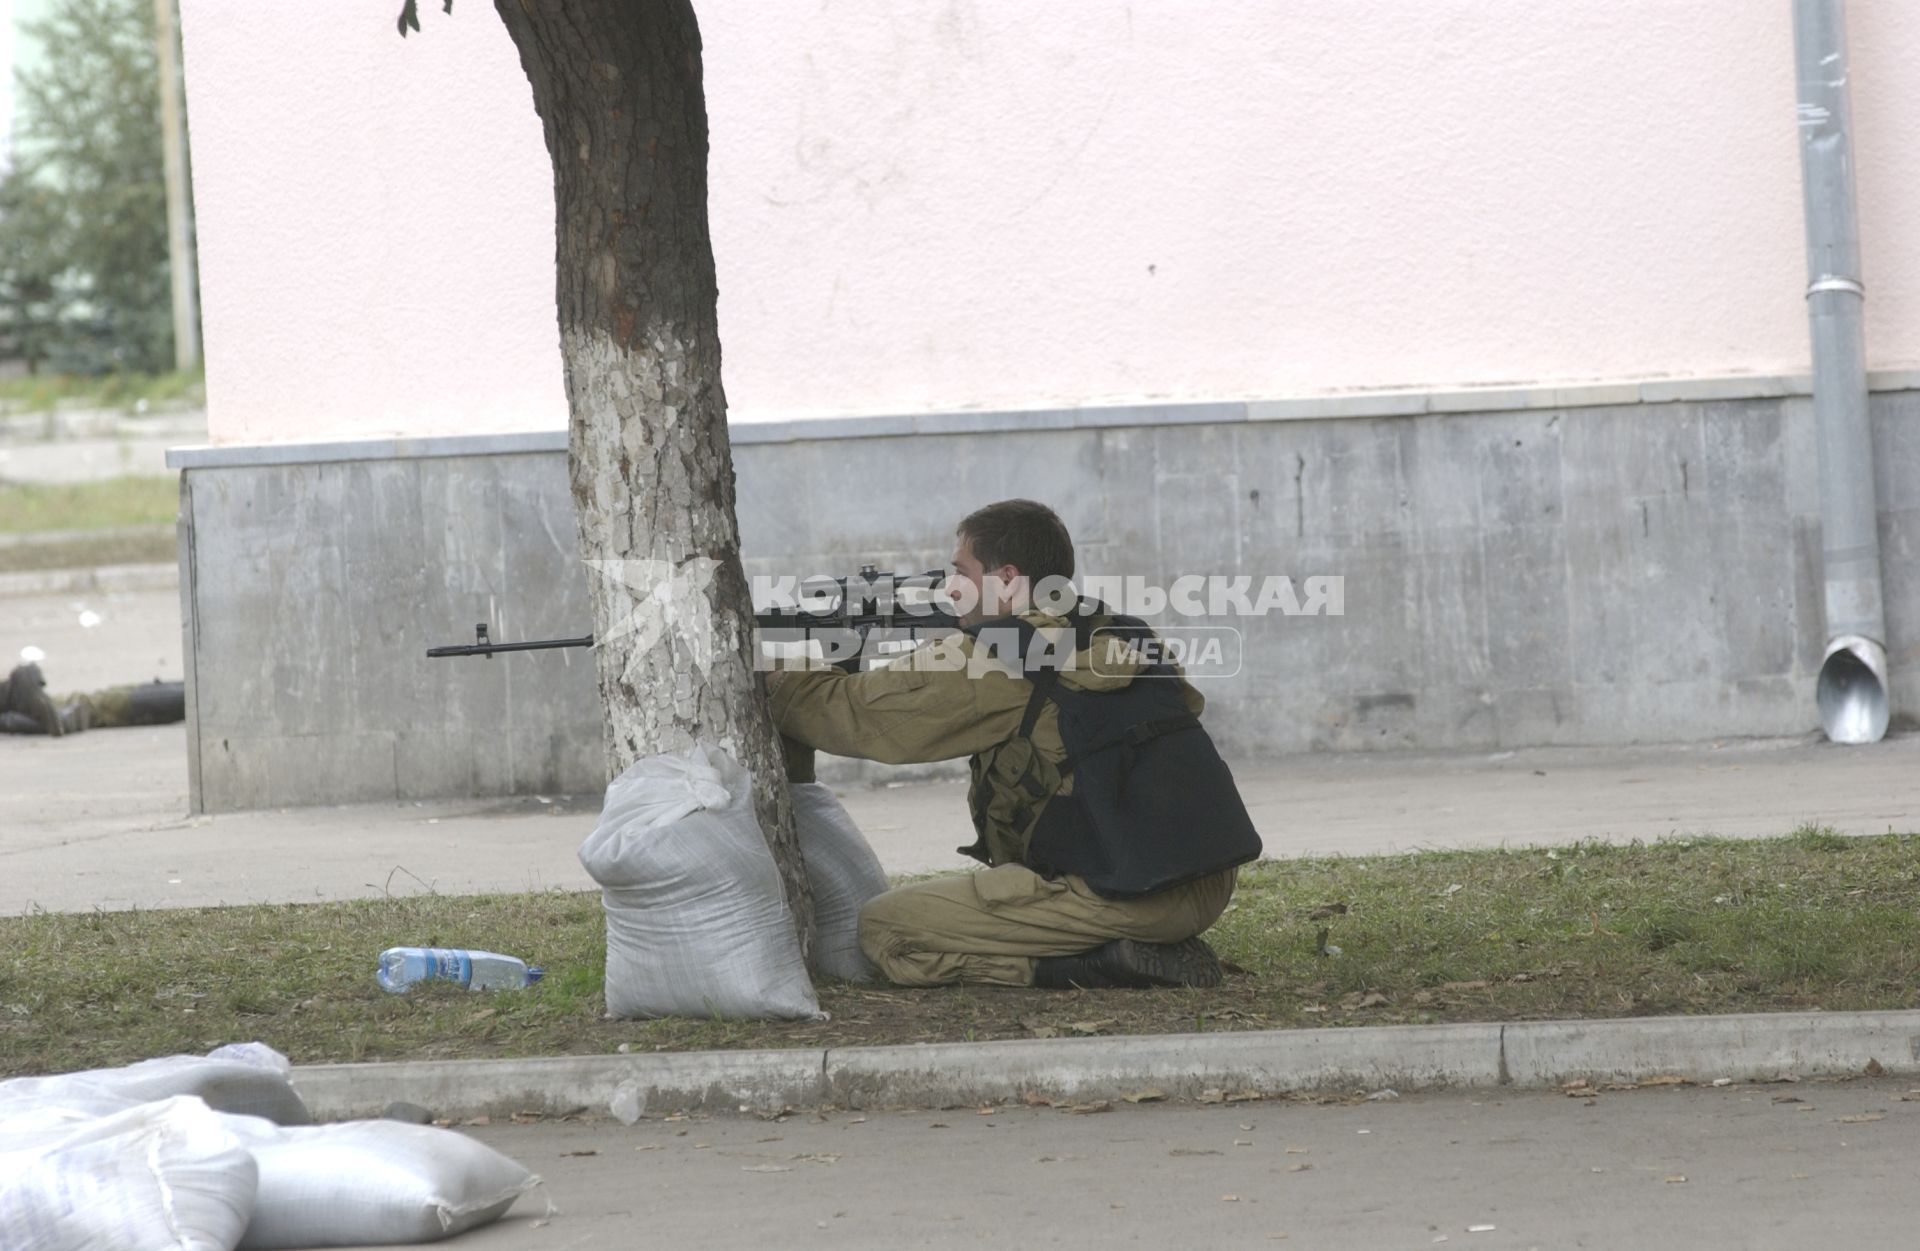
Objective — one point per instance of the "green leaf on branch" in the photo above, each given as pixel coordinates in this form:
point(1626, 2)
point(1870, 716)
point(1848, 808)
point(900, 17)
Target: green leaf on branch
point(410, 15)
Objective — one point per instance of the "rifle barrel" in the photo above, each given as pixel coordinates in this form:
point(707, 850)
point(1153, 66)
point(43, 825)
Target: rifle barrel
point(488, 649)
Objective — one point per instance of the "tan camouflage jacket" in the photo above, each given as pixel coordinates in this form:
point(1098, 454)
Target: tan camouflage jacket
point(943, 700)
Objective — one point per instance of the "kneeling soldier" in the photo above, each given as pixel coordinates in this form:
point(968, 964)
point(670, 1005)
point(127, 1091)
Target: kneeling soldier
point(1111, 829)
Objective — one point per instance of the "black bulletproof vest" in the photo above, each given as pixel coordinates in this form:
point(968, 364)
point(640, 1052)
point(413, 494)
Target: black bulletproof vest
point(1153, 805)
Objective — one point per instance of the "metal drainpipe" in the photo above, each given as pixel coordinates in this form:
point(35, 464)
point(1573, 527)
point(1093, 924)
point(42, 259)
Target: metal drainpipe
point(1852, 688)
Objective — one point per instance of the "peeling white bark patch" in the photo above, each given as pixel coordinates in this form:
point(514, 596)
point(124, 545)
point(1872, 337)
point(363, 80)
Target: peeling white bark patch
point(663, 601)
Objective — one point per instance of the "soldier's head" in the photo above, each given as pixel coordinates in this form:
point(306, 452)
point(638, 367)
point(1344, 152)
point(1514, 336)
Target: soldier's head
point(1002, 553)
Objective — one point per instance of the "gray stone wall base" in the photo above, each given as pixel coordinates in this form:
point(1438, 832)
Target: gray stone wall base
point(1596, 572)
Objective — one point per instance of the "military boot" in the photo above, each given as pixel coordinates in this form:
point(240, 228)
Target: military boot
point(1128, 962)
point(26, 694)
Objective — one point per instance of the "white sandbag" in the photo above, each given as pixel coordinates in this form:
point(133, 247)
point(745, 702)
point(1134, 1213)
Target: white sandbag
point(250, 1079)
point(843, 873)
point(367, 1183)
point(697, 922)
point(164, 1176)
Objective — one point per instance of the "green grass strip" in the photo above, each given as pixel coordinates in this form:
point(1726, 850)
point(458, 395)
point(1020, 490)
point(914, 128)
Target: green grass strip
point(1809, 921)
point(107, 504)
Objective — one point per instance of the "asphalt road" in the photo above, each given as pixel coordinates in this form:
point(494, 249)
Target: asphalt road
point(1746, 1166)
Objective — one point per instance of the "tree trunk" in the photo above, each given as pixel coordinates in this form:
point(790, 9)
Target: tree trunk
point(617, 85)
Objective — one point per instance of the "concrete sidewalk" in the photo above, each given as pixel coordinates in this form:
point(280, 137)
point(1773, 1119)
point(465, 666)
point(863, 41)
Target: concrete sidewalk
point(100, 820)
point(82, 445)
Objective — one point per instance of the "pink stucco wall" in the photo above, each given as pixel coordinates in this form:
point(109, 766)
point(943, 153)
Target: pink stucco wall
point(926, 206)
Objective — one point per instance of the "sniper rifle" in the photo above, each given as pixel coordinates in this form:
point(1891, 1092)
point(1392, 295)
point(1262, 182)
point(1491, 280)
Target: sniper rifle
point(848, 616)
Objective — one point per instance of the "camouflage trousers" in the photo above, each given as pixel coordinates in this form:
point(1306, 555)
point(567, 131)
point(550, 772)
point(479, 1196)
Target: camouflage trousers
point(990, 926)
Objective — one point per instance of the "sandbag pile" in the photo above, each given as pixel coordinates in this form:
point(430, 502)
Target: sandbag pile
point(697, 920)
point(209, 1153)
point(843, 874)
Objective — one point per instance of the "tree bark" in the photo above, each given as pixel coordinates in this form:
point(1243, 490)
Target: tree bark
point(617, 85)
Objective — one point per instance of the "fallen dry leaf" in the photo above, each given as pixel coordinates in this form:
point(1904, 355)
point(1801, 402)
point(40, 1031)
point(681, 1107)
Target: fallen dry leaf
point(589, 1151)
point(1373, 999)
point(479, 1120)
point(1194, 1151)
point(1211, 1094)
point(1665, 1079)
point(1325, 911)
point(1229, 1198)
point(1786, 1099)
point(1149, 1095)
point(766, 1168)
point(1860, 1118)
point(1301, 1167)
point(1676, 1179)
point(1874, 1068)
point(1084, 1109)
point(1034, 1099)
point(1089, 1027)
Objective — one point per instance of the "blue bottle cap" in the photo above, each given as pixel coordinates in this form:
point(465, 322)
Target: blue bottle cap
point(535, 974)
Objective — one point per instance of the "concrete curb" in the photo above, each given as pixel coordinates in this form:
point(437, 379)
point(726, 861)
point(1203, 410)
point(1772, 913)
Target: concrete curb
point(104, 579)
point(1755, 1047)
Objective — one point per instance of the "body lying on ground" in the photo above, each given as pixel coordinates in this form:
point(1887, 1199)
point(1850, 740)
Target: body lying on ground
point(26, 708)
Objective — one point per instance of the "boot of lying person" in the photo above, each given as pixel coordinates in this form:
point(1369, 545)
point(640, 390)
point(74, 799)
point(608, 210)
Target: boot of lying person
point(25, 707)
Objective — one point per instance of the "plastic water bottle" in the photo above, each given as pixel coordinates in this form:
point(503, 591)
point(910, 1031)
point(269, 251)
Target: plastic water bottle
point(402, 967)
